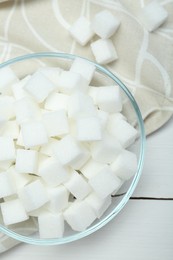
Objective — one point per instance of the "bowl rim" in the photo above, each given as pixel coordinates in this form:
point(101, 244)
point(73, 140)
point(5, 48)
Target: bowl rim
point(122, 203)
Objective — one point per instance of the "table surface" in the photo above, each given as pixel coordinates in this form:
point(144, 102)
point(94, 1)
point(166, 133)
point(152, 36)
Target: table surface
point(142, 230)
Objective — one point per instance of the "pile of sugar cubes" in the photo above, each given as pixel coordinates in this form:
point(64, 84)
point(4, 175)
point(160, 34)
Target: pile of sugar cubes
point(63, 147)
point(105, 24)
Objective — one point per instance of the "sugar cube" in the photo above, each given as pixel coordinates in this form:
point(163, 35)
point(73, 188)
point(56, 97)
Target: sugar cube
point(10, 129)
point(91, 168)
point(13, 212)
point(105, 182)
point(7, 187)
point(125, 165)
point(19, 180)
point(58, 198)
point(77, 185)
point(104, 51)
point(105, 24)
point(17, 88)
point(33, 134)
point(33, 195)
point(52, 172)
point(79, 215)
point(56, 123)
point(26, 161)
point(7, 149)
point(50, 225)
point(81, 31)
point(39, 87)
point(52, 73)
point(7, 78)
point(56, 101)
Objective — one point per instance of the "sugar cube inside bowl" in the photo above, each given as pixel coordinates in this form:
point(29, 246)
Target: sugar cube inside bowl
point(64, 141)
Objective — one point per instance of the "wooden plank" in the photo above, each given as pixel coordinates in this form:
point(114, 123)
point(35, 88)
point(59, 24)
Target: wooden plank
point(143, 230)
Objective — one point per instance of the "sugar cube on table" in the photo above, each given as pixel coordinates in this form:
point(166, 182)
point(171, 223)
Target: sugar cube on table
point(105, 150)
point(81, 31)
point(26, 161)
point(7, 187)
point(52, 73)
point(7, 149)
point(91, 168)
point(52, 172)
point(39, 87)
point(7, 78)
point(152, 16)
point(56, 123)
point(7, 107)
point(19, 180)
point(79, 215)
point(104, 51)
point(125, 166)
point(56, 101)
point(77, 185)
point(17, 88)
point(84, 68)
point(89, 129)
point(80, 105)
point(33, 195)
point(70, 82)
point(98, 205)
point(105, 182)
point(10, 129)
point(58, 198)
point(51, 225)
point(123, 132)
point(13, 212)
point(33, 134)
point(109, 99)
point(105, 24)
point(69, 152)
point(26, 109)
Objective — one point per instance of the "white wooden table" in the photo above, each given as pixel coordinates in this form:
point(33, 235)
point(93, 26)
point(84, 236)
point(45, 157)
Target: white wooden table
point(143, 230)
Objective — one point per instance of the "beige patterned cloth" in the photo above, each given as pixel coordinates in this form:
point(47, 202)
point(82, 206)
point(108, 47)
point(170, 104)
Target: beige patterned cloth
point(145, 61)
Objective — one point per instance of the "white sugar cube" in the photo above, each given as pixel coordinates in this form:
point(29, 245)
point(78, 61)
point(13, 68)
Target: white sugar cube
point(39, 87)
point(91, 168)
point(10, 129)
point(58, 198)
point(98, 205)
point(106, 150)
point(48, 149)
point(26, 109)
point(13, 212)
point(7, 78)
point(105, 182)
point(56, 101)
point(7, 149)
point(103, 116)
point(19, 180)
point(81, 31)
point(80, 105)
point(125, 165)
point(50, 225)
point(124, 132)
point(69, 152)
point(77, 185)
point(152, 16)
point(105, 24)
point(7, 187)
point(56, 123)
point(104, 51)
point(33, 195)
point(26, 161)
point(17, 88)
point(33, 134)
point(84, 68)
point(52, 172)
point(7, 107)
point(52, 73)
point(70, 82)
point(89, 129)
point(79, 216)
point(109, 99)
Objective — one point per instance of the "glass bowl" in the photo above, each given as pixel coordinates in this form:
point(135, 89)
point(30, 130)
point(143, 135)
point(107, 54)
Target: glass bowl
point(28, 64)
